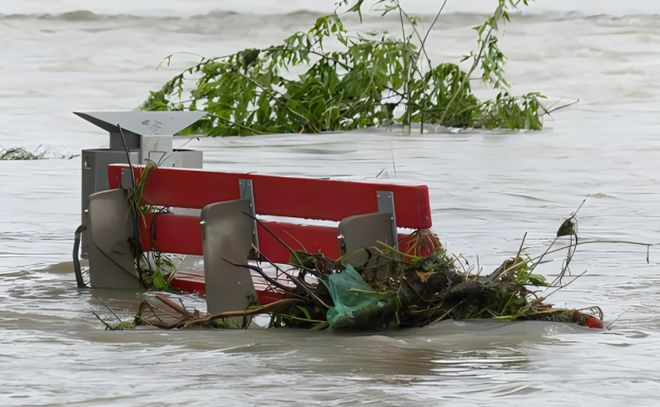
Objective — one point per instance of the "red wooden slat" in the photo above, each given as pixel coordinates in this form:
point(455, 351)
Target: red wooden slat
point(182, 234)
point(282, 196)
point(189, 282)
point(308, 238)
point(169, 233)
point(194, 283)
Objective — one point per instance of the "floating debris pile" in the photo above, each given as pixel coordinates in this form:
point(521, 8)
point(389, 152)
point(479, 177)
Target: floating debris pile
point(393, 289)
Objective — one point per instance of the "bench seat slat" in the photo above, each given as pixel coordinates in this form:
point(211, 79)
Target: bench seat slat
point(282, 196)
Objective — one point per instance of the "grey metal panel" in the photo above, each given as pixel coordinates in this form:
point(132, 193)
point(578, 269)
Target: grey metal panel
point(386, 205)
point(247, 192)
point(143, 123)
point(95, 178)
point(130, 140)
point(176, 158)
point(364, 231)
point(157, 149)
point(111, 263)
point(189, 158)
point(227, 234)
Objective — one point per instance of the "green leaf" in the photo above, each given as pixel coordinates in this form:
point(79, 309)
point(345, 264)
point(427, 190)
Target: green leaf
point(568, 227)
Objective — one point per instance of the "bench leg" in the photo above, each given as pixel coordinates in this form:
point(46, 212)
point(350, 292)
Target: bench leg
point(227, 234)
point(111, 263)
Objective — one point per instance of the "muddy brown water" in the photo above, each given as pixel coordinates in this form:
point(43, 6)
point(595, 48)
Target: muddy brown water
point(487, 189)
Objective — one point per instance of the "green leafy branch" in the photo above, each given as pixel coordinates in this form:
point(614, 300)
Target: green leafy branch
point(363, 80)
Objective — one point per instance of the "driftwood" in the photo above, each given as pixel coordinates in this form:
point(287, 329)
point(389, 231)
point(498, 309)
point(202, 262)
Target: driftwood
point(180, 317)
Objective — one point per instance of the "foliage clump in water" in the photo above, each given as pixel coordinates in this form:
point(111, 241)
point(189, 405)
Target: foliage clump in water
point(23, 154)
point(20, 154)
point(394, 289)
point(349, 81)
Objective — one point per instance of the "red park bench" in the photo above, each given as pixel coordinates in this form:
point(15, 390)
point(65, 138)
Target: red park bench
point(226, 229)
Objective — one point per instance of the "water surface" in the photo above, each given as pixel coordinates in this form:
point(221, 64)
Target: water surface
point(487, 190)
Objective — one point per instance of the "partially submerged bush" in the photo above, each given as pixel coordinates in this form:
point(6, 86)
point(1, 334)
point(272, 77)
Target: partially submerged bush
point(20, 153)
point(39, 153)
point(362, 80)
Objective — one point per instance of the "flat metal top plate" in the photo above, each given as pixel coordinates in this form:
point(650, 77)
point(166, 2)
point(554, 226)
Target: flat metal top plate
point(143, 123)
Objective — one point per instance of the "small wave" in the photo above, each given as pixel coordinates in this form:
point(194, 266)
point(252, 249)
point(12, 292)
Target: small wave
point(79, 15)
point(76, 15)
point(71, 16)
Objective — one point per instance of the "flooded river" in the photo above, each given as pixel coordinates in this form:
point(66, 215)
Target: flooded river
point(487, 190)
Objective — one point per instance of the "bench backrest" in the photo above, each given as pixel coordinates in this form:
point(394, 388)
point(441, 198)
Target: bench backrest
point(290, 197)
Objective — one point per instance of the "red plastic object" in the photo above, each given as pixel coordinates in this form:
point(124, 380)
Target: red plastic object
point(593, 322)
